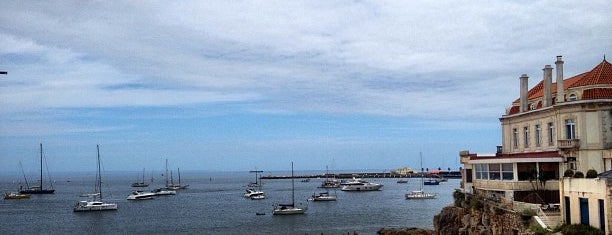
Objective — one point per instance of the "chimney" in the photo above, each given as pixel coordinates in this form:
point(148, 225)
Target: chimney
point(524, 83)
point(560, 88)
point(547, 97)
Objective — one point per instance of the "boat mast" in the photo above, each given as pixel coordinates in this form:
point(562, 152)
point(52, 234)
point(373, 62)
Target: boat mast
point(422, 175)
point(166, 172)
point(41, 167)
point(292, 187)
point(99, 178)
point(24, 176)
point(178, 170)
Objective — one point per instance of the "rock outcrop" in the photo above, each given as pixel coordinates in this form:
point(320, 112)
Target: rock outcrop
point(461, 221)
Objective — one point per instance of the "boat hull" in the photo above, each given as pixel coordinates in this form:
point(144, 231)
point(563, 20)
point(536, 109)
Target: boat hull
point(16, 196)
point(288, 211)
point(37, 191)
point(362, 188)
point(85, 206)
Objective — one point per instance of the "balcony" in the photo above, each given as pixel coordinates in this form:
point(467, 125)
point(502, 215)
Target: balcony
point(568, 144)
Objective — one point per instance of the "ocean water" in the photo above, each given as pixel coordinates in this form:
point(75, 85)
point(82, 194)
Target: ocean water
point(214, 204)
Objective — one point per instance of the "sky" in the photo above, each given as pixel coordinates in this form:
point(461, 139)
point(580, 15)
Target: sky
point(235, 85)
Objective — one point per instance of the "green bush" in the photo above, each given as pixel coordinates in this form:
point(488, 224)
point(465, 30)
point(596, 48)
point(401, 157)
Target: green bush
point(580, 229)
point(476, 203)
point(459, 198)
point(578, 174)
point(568, 173)
point(591, 174)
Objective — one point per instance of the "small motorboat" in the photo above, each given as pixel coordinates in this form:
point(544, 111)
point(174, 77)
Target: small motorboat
point(325, 196)
point(140, 195)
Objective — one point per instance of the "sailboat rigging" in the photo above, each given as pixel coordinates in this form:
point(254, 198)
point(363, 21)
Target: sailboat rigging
point(38, 189)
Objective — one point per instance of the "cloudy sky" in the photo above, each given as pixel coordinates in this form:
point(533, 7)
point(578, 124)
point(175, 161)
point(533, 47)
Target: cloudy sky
point(233, 85)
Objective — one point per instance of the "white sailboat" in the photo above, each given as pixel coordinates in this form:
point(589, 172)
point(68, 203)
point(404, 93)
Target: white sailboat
point(420, 194)
point(164, 190)
point(95, 204)
point(289, 209)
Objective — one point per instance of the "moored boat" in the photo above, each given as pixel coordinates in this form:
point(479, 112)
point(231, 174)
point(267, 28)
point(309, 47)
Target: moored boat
point(13, 195)
point(140, 195)
point(324, 196)
point(95, 204)
point(290, 209)
point(38, 189)
point(359, 185)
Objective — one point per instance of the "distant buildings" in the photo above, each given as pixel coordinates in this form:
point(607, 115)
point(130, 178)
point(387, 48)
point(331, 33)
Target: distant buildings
point(553, 128)
point(403, 171)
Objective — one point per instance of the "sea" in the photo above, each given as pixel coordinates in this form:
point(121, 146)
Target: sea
point(214, 204)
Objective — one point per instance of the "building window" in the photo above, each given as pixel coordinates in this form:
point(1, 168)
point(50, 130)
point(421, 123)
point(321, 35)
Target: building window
point(570, 129)
point(538, 135)
point(572, 97)
point(551, 133)
point(482, 171)
point(526, 171)
point(515, 137)
point(507, 172)
point(494, 171)
point(526, 132)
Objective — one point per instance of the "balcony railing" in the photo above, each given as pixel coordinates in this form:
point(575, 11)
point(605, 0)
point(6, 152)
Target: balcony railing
point(568, 144)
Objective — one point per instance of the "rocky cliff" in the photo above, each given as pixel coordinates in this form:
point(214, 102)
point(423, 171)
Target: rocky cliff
point(462, 221)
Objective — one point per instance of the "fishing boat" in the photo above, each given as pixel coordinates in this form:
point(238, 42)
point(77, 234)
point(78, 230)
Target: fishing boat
point(95, 203)
point(142, 183)
point(420, 194)
point(289, 209)
point(13, 195)
point(402, 181)
point(39, 189)
point(324, 196)
point(359, 185)
point(431, 181)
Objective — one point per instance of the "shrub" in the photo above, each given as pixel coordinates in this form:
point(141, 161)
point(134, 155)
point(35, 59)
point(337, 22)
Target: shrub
point(568, 173)
point(476, 203)
point(591, 174)
point(459, 198)
point(578, 174)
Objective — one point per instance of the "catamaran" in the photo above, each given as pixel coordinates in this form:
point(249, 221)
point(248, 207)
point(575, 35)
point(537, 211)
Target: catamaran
point(95, 204)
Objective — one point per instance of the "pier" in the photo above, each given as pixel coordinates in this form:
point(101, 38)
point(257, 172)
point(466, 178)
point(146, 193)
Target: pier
point(443, 174)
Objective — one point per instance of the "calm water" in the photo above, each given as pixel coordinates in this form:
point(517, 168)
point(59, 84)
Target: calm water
point(214, 204)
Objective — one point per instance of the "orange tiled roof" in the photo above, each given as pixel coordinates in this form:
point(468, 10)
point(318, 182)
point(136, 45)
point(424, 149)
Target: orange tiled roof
point(599, 75)
point(597, 93)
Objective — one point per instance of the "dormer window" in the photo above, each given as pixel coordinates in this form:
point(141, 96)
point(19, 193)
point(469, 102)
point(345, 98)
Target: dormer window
point(572, 97)
point(533, 106)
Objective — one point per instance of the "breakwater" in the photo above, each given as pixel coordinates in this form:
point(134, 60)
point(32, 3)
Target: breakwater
point(446, 174)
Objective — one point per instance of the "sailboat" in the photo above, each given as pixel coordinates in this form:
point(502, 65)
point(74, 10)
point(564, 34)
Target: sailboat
point(289, 209)
point(38, 189)
point(95, 204)
point(165, 190)
point(178, 186)
point(329, 182)
point(420, 194)
point(142, 183)
point(251, 191)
